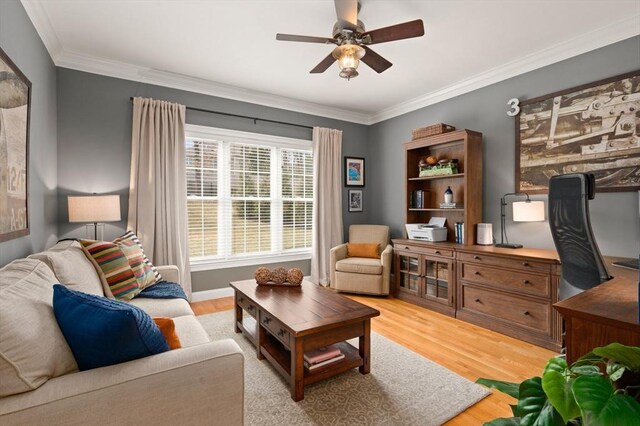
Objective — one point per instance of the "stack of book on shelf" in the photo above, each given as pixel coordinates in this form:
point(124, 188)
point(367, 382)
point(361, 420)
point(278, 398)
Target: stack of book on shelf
point(449, 205)
point(417, 199)
point(322, 356)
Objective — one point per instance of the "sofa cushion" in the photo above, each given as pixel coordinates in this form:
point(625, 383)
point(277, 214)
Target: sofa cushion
point(360, 265)
point(71, 267)
point(146, 273)
point(116, 332)
point(118, 279)
point(32, 348)
point(168, 329)
point(363, 250)
point(163, 307)
point(190, 331)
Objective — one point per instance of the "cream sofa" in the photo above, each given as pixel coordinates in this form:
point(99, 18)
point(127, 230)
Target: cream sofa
point(200, 383)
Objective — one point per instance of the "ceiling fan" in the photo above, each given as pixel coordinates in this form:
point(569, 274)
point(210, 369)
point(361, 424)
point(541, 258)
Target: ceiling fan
point(353, 40)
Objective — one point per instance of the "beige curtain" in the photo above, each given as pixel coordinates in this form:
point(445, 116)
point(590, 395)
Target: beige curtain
point(157, 190)
point(327, 200)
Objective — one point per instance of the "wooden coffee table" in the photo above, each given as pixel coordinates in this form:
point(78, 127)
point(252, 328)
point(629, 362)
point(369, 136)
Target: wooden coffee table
point(285, 322)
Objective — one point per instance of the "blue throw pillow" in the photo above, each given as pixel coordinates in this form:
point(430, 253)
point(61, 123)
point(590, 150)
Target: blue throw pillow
point(103, 332)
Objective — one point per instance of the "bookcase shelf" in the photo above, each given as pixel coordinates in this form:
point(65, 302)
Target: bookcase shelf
point(464, 146)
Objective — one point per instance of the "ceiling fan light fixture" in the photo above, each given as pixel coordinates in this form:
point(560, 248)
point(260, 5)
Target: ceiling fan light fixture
point(348, 57)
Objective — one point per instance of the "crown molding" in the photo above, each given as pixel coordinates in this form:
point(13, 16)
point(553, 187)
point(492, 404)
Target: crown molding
point(595, 39)
point(43, 26)
point(584, 43)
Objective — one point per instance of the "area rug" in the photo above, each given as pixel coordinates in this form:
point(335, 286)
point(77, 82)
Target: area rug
point(403, 388)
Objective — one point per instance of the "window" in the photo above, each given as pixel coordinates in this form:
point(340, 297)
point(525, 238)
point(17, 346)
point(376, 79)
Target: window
point(249, 197)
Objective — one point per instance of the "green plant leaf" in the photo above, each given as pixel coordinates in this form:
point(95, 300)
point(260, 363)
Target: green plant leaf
point(615, 370)
point(629, 356)
point(557, 386)
point(599, 405)
point(511, 389)
point(514, 409)
point(556, 364)
point(586, 370)
point(534, 407)
point(512, 421)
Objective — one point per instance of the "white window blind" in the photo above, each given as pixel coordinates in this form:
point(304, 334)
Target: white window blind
point(249, 197)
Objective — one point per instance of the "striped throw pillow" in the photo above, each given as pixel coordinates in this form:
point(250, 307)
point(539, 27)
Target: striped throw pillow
point(114, 269)
point(146, 273)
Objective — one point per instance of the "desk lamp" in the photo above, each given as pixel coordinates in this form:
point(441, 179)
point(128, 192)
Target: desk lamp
point(94, 209)
point(523, 211)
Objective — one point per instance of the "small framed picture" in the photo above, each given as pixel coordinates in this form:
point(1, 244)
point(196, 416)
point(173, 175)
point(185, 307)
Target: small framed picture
point(355, 200)
point(353, 171)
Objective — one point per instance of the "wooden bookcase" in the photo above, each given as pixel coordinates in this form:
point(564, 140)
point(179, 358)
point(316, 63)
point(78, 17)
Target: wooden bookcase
point(466, 147)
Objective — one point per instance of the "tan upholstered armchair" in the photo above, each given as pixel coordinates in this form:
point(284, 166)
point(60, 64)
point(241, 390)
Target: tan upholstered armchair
point(361, 274)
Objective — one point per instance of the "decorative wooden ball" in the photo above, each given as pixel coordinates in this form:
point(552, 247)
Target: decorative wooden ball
point(432, 160)
point(295, 276)
point(279, 275)
point(263, 275)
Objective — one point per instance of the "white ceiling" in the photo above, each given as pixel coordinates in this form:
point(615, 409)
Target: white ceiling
point(228, 48)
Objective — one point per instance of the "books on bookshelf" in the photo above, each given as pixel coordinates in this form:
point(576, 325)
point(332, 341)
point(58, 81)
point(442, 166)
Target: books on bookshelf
point(322, 356)
point(459, 232)
point(417, 199)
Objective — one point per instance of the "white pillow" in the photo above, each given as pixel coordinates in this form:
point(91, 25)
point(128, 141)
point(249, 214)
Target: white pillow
point(32, 347)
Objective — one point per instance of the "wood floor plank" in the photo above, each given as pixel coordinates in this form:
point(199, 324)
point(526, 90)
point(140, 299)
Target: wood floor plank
point(463, 348)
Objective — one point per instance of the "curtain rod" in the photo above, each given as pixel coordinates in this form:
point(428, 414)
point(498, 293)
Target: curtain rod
point(255, 119)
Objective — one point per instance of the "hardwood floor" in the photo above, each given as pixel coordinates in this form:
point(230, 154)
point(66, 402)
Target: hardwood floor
point(466, 349)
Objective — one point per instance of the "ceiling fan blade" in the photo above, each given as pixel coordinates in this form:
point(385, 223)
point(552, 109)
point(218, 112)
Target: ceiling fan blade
point(347, 12)
point(375, 61)
point(305, 39)
point(324, 65)
point(397, 32)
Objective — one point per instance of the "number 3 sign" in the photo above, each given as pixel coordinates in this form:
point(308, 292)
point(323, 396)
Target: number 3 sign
point(515, 108)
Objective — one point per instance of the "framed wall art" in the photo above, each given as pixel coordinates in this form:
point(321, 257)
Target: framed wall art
point(594, 128)
point(15, 107)
point(354, 171)
point(355, 200)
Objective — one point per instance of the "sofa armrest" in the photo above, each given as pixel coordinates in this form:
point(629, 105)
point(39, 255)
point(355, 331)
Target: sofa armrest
point(169, 273)
point(194, 385)
point(386, 258)
point(335, 254)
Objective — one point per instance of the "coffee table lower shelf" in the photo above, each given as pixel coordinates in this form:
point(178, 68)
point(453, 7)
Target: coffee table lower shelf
point(280, 358)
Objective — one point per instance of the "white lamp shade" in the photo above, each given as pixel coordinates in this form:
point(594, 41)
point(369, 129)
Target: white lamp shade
point(94, 208)
point(528, 211)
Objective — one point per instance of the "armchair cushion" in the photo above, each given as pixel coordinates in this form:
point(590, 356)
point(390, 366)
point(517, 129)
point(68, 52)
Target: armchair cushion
point(363, 250)
point(360, 265)
point(117, 332)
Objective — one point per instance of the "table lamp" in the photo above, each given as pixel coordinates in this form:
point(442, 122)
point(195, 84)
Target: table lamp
point(95, 209)
point(523, 211)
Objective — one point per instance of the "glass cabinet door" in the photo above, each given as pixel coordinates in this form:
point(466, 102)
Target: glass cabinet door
point(437, 281)
point(409, 273)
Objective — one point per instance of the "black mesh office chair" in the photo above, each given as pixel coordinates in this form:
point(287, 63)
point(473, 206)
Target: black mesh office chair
point(582, 263)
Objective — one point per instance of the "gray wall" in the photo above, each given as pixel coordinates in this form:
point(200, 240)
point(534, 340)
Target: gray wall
point(94, 149)
point(615, 217)
point(20, 41)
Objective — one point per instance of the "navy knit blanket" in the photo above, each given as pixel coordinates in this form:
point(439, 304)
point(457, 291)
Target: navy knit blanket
point(163, 290)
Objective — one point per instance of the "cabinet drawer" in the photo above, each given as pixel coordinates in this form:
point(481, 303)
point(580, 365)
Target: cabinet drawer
point(522, 282)
point(424, 250)
point(520, 264)
point(247, 305)
point(275, 328)
point(528, 313)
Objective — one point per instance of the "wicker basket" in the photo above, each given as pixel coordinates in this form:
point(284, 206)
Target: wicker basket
point(434, 129)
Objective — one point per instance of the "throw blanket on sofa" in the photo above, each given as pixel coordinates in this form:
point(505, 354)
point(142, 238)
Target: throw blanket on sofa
point(163, 290)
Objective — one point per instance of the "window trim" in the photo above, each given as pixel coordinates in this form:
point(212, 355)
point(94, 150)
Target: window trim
point(203, 263)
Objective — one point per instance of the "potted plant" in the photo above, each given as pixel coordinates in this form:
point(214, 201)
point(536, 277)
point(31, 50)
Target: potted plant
point(601, 388)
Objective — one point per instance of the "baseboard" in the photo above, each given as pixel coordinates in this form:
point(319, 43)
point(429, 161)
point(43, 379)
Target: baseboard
point(216, 293)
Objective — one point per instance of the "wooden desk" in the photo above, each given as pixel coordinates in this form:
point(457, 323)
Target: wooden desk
point(604, 314)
